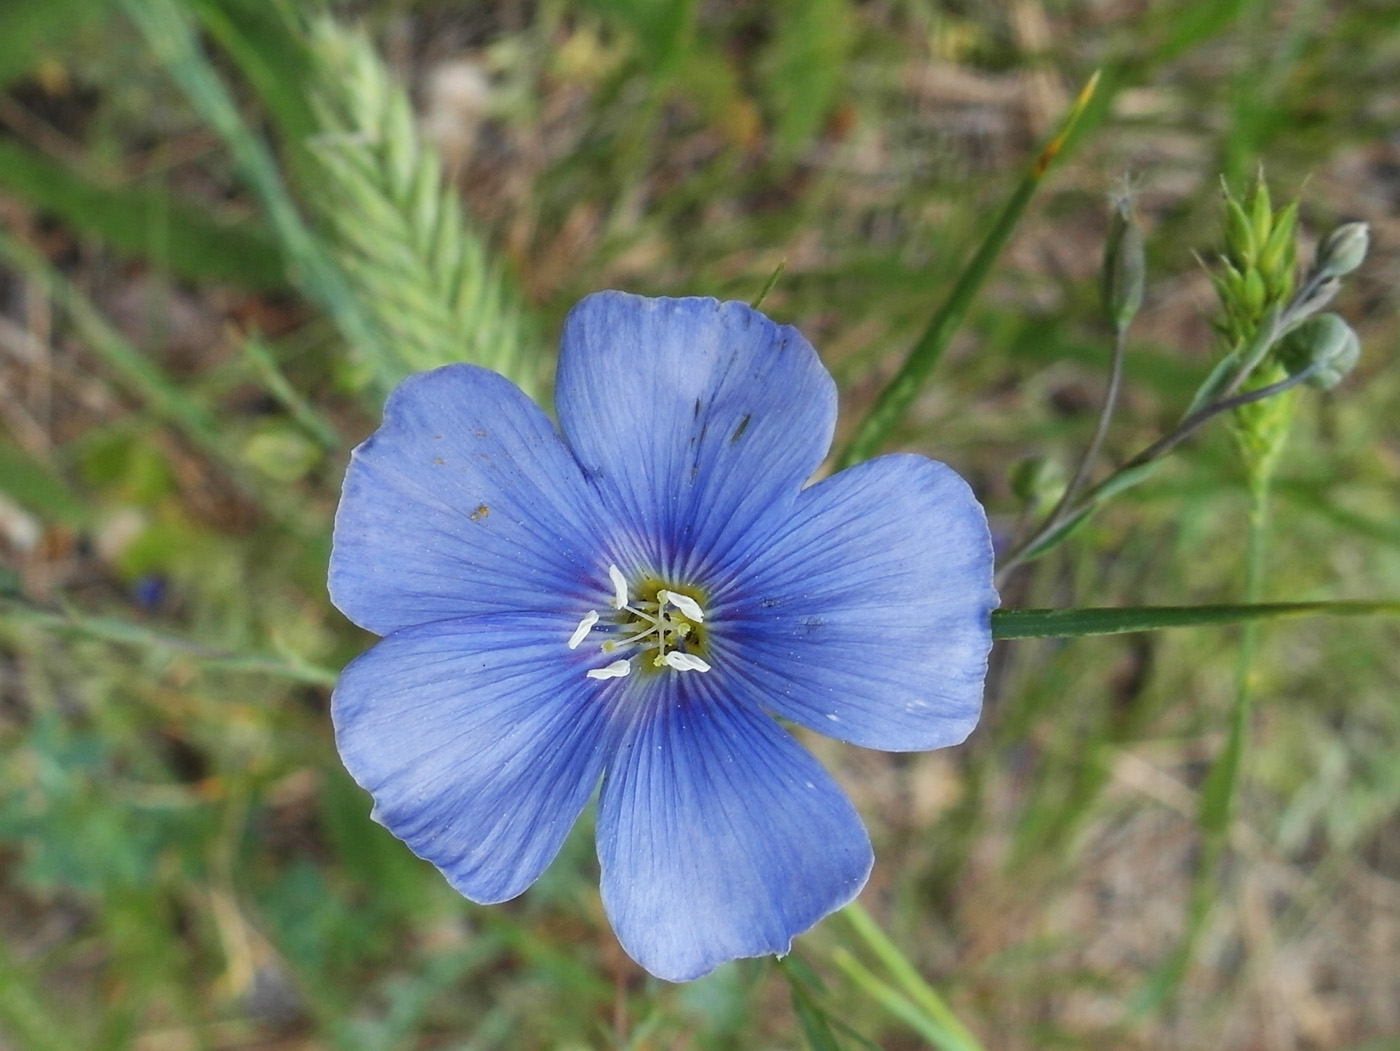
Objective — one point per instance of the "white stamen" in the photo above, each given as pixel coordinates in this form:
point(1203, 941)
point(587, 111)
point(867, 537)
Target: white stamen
point(615, 670)
point(684, 662)
point(684, 603)
point(619, 583)
point(584, 627)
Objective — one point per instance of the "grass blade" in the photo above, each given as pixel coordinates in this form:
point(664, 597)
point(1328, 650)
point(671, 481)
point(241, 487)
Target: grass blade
point(930, 1004)
point(170, 33)
point(189, 244)
point(899, 1005)
point(128, 633)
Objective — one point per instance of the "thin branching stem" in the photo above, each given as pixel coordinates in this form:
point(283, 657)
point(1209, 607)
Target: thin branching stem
point(1155, 451)
point(1091, 454)
point(1193, 423)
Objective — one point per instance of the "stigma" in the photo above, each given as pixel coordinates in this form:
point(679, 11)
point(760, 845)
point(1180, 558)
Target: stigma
point(660, 628)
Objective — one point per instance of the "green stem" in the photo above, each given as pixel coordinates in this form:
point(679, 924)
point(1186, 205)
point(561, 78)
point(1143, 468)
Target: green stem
point(1110, 402)
point(1035, 545)
point(1077, 622)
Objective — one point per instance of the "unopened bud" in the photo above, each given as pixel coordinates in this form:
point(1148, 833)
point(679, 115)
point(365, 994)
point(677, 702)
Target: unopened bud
point(1124, 265)
point(1344, 249)
point(1038, 482)
point(1323, 346)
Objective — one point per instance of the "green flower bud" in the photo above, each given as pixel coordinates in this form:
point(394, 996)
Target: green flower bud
point(1323, 346)
point(1124, 265)
point(1038, 482)
point(1344, 249)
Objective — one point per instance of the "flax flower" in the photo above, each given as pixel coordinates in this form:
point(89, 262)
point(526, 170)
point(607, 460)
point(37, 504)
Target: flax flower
point(631, 598)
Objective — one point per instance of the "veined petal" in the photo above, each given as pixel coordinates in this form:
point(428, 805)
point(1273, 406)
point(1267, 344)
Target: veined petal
point(692, 417)
point(867, 616)
point(480, 740)
point(719, 835)
point(464, 501)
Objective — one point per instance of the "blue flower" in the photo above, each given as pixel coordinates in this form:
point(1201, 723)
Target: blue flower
point(631, 598)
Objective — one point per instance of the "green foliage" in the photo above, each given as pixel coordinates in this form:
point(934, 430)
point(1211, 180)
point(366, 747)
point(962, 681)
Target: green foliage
point(183, 860)
point(432, 289)
point(32, 29)
point(144, 223)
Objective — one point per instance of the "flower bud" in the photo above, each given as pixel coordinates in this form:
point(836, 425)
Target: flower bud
point(1038, 482)
point(1323, 346)
point(1124, 265)
point(1344, 249)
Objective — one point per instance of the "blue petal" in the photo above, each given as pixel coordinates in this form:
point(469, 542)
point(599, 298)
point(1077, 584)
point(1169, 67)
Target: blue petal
point(465, 501)
point(693, 418)
point(719, 835)
point(867, 617)
point(480, 740)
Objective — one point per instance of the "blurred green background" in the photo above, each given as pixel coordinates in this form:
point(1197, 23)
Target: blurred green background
point(223, 235)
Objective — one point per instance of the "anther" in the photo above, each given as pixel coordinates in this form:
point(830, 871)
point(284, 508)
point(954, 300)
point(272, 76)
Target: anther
point(684, 661)
point(615, 670)
point(619, 583)
point(584, 627)
point(684, 603)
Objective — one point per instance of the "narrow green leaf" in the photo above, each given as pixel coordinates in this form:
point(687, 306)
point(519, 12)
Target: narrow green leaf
point(1056, 536)
point(171, 35)
point(815, 1026)
point(1123, 480)
point(910, 981)
point(1072, 623)
point(1192, 23)
point(260, 357)
point(897, 1004)
point(127, 633)
point(272, 54)
point(770, 284)
point(190, 244)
